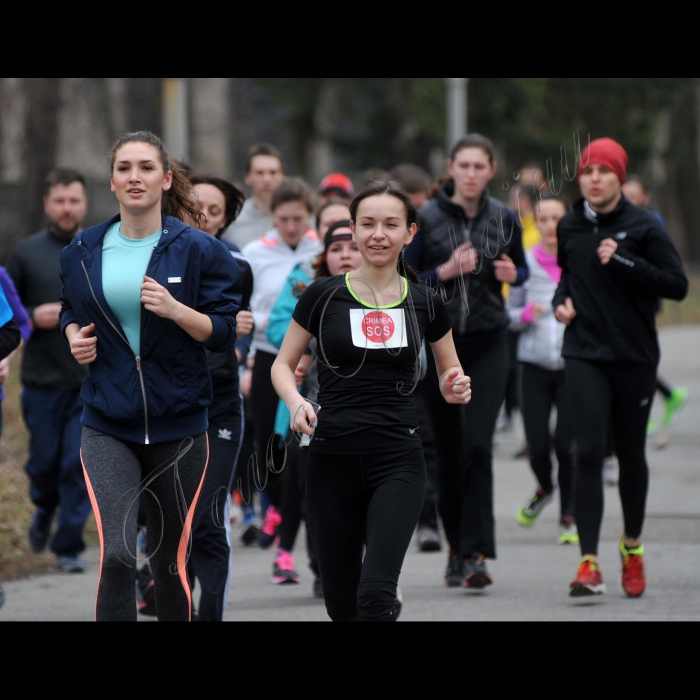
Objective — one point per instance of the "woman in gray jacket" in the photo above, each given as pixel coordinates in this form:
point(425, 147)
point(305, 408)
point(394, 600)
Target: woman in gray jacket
point(543, 384)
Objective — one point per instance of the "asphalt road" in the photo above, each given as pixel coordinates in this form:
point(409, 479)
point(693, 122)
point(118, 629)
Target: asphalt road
point(532, 573)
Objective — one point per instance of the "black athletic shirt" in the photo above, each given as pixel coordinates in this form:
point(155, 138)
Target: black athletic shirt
point(367, 358)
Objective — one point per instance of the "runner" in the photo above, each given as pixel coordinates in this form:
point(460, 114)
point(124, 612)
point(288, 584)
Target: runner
point(470, 244)
point(366, 474)
point(336, 186)
point(220, 202)
point(543, 379)
point(146, 398)
point(617, 260)
point(264, 174)
point(272, 260)
point(339, 257)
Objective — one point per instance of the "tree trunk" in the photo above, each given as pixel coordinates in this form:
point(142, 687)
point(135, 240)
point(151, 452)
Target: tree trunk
point(144, 112)
point(43, 104)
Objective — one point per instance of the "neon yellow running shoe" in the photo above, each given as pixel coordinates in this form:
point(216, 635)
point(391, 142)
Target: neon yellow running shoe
point(674, 406)
point(530, 514)
point(568, 534)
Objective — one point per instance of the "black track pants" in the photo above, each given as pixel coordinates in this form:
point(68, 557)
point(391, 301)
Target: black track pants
point(543, 391)
point(172, 476)
point(599, 391)
point(210, 560)
point(464, 438)
point(353, 501)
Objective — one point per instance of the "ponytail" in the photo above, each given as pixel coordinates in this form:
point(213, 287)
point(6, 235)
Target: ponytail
point(180, 201)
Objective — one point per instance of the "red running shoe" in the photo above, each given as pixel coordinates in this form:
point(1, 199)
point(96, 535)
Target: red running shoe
point(634, 575)
point(589, 581)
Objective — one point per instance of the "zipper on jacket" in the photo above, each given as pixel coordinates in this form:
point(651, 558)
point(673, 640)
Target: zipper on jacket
point(462, 329)
point(138, 359)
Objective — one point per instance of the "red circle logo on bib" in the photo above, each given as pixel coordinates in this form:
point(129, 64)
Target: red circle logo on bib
point(378, 327)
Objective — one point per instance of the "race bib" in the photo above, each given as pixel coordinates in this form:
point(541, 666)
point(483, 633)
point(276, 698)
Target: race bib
point(379, 330)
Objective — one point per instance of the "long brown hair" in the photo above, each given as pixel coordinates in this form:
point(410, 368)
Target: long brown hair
point(393, 189)
point(180, 200)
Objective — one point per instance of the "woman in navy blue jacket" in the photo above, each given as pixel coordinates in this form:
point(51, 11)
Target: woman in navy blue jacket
point(145, 296)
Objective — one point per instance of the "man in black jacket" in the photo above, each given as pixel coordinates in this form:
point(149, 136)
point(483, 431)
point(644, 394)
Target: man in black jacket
point(617, 261)
point(52, 379)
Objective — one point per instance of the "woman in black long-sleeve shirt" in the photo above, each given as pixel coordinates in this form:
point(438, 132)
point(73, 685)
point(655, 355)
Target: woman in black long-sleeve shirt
point(470, 245)
point(617, 261)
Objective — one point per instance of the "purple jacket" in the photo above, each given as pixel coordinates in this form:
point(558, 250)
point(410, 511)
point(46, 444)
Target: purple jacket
point(21, 315)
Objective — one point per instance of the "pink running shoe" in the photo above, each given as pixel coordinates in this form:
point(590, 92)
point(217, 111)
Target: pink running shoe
point(283, 572)
point(269, 530)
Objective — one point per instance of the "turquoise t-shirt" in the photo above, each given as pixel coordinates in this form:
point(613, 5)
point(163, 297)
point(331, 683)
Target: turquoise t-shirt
point(124, 265)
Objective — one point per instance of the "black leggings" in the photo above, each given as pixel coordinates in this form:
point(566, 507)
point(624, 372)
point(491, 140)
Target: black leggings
point(625, 392)
point(542, 391)
point(264, 400)
point(464, 438)
point(172, 476)
point(353, 501)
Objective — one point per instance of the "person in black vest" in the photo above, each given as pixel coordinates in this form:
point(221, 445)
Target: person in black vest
point(52, 379)
point(469, 246)
point(617, 261)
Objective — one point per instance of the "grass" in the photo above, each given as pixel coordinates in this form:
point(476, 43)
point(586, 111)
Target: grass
point(16, 510)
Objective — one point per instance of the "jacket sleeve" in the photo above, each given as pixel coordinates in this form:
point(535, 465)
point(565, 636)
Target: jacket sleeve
point(515, 307)
point(10, 339)
point(283, 311)
point(20, 313)
point(659, 272)
point(220, 293)
point(517, 252)
point(415, 257)
point(68, 316)
point(563, 290)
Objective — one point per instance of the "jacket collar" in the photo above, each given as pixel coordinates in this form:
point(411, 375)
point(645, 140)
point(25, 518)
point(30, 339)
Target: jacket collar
point(584, 209)
point(445, 195)
point(92, 237)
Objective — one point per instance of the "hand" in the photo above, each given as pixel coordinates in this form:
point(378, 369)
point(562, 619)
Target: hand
point(46, 317)
point(537, 311)
point(456, 388)
point(244, 323)
point(506, 271)
point(464, 261)
point(566, 313)
point(158, 299)
point(304, 419)
point(247, 383)
point(607, 249)
point(83, 347)
point(5, 370)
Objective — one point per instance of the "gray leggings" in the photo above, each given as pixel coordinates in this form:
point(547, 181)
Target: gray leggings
point(171, 475)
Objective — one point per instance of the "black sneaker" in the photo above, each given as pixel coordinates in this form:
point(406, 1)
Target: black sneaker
point(429, 540)
point(249, 535)
point(454, 578)
point(2, 597)
point(40, 531)
point(318, 589)
point(476, 577)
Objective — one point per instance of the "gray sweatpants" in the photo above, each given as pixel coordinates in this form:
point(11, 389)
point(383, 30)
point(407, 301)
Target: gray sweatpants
point(171, 475)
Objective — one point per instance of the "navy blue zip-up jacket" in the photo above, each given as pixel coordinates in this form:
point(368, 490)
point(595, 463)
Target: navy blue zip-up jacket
point(164, 395)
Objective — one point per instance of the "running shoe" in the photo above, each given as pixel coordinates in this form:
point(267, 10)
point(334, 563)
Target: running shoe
point(318, 589)
point(674, 406)
point(40, 531)
point(589, 581)
point(454, 578)
point(568, 533)
point(634, 576)
point(283, 571)
point(476, 577)
point(146, 592)
point(530, 514)
point(2, 597)
point(429, 540)
point(72, 565)
point(269, 530)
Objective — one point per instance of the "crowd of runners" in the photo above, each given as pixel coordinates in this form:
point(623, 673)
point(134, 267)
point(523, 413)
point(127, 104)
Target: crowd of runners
point(205, 366)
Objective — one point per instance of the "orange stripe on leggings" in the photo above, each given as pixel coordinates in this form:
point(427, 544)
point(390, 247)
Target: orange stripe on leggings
point(98, 518)
point(184, 542)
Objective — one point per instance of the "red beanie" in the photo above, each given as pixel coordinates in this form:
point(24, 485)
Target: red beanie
point(608, 153)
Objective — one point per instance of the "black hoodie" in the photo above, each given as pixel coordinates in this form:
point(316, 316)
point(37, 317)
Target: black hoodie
point(616, 304)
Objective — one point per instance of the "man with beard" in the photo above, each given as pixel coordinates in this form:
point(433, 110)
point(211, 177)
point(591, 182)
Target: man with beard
point(52, 379)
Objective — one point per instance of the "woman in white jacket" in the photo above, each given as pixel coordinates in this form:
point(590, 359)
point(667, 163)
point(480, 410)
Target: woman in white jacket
point(543, 382)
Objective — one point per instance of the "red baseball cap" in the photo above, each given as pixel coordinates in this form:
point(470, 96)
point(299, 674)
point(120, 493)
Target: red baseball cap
point(341, 183)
